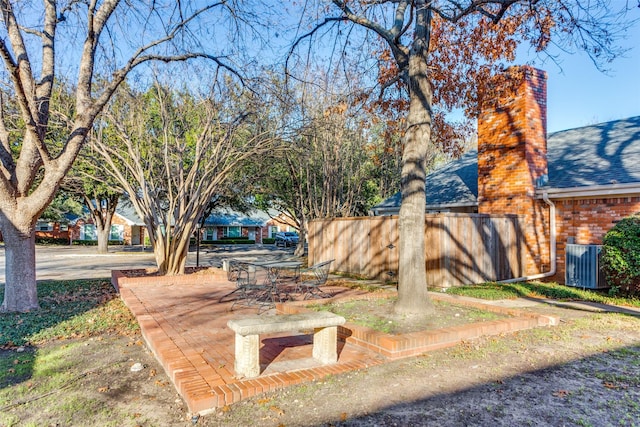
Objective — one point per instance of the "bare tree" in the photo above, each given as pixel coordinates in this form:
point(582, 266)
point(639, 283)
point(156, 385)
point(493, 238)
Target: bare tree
point(324, 167)
point(446, 48)
point(100, 199)
point(111, 38)
point(172, 155)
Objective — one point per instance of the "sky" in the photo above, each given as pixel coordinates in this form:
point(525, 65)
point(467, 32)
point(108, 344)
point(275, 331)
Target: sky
point(580, 95)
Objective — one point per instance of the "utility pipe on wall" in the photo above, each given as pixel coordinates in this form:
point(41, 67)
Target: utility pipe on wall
point(552, 246)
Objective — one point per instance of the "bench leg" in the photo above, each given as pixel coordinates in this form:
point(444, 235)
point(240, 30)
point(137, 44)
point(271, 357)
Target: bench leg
point(325, 344)
point(247, 361)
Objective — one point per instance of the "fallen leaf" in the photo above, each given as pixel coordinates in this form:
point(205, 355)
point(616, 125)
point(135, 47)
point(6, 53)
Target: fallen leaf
point(226, 408)
point(103, 389)
point(277, 410)
point(561, 393)
point(152, 373)
point(263, 401)
point(343, 417)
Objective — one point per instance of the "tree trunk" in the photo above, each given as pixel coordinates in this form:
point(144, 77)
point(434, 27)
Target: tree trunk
point(171, 256)
point(412, 277)
point(102, 209)
point(302, 237)
point(20, 290)
point(103, 238)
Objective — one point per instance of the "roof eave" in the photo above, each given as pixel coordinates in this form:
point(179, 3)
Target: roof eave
point(615, 190)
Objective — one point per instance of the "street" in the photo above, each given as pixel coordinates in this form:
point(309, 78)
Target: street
point(82, 262)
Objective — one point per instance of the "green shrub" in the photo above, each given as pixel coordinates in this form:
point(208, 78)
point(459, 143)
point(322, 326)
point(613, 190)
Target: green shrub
point(95, 242)
point(52, 240)
point(268, 240)
point(621, 255)
point(230, 241)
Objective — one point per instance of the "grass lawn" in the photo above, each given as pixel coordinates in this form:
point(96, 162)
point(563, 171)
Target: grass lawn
point(495, 291)
point(67, 363)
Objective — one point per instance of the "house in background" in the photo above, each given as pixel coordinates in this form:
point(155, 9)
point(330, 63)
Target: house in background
point(227, 223)
point(128, 228)
point(570, 187)
point(67, 229)
point(127, 224)
point(256, 225)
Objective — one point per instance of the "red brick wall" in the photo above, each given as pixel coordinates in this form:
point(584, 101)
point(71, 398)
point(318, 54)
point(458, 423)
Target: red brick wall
point(587, 221)
point(56, 233)
point(512, 156)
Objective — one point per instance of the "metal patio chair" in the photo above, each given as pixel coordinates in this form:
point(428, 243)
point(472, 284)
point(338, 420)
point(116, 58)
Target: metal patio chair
point(314, 277)
point(254, 289)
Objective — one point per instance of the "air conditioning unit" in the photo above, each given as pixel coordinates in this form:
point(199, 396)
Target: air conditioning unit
point(582, 267)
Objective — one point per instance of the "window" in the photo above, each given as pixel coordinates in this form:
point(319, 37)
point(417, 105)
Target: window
point(273, 229)
point(44, 226)
point(88, 232)
point(233, 232)
point(117, 232)
point(64, 227)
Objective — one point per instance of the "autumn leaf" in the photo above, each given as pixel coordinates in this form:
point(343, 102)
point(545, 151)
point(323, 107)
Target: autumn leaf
point(343, 417)
point(277, 410)
point(103, 389)
point(561, 393)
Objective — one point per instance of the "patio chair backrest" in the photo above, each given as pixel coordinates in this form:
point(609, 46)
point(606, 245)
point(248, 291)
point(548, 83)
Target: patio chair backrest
point(247, 274)
point(233, 270)
point(321, 271)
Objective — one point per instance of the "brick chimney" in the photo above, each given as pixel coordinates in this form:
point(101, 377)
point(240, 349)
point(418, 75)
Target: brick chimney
point(512, 157)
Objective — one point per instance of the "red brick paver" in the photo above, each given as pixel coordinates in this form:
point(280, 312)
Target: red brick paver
point(185, 325)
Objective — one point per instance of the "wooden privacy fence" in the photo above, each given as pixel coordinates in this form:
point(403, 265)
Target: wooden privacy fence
point(460, 248)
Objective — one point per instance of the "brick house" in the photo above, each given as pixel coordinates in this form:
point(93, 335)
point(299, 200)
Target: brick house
point(571, 186)
point(255, 226)
point(127, 227)
point(67, 229)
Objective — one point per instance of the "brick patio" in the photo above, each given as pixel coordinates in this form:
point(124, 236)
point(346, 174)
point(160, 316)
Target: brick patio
point(185, 325)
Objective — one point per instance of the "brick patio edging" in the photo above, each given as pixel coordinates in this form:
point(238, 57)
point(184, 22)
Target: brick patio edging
point(119, 278)
point(204, 386)
point(195, 379)
point(415, 343)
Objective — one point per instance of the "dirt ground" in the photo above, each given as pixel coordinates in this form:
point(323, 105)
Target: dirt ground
point(585, 372)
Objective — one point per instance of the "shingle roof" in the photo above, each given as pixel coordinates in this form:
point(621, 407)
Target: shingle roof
point(222, 217)
point(602, 154)
point(227, 217)
point(126, 210)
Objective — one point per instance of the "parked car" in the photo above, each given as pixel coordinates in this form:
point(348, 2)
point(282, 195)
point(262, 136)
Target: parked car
point(286, 238)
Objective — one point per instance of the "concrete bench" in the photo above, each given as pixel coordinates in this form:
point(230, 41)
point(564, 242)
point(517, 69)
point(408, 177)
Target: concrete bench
point(249, 329)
